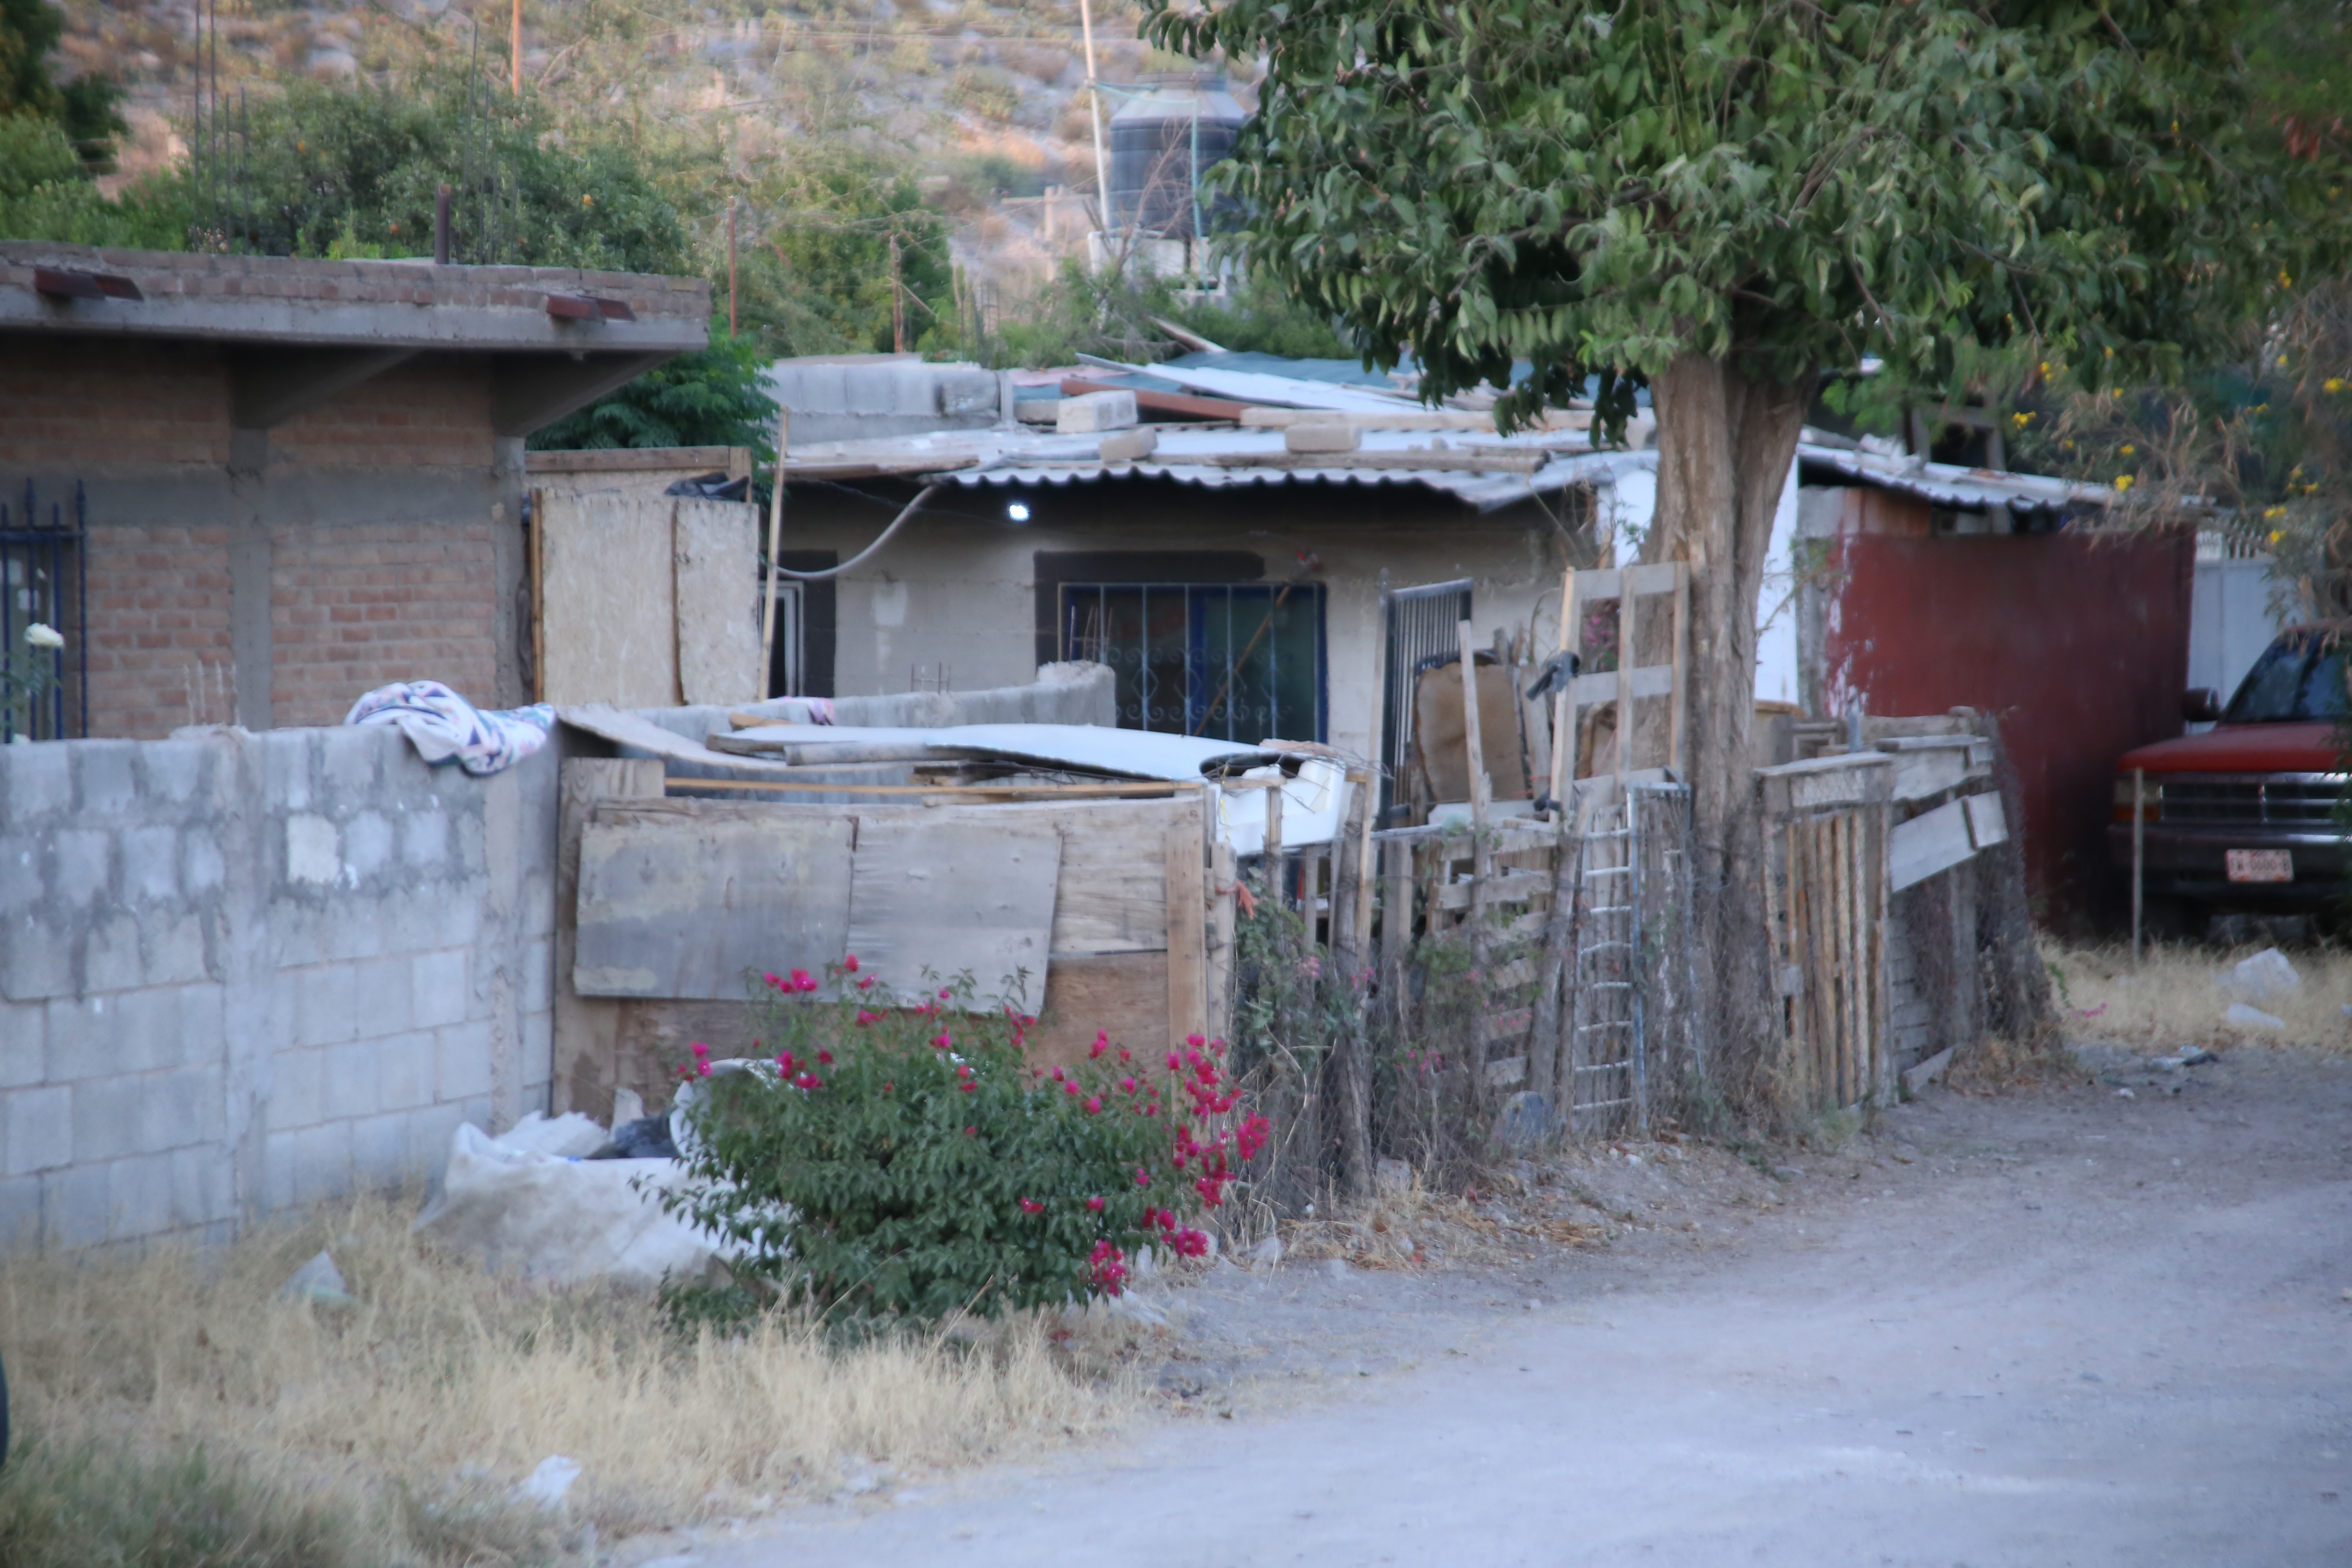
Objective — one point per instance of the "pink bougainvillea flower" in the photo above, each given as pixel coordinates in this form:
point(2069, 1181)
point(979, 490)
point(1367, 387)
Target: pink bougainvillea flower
point(971, 1132)
point(866, 983)
point(1028, 1206)
point(1142, 1179)
point(943, 994)
point(1095, 1203)
point(865, 1017)
point(804, 981)
point(849, 963)
point(1102, 1043)
point(967, 1087)
point(1196, 1041)
point(941, 1040)
point(1094, 1105)
point(1126, 1086)
point(788, 1061)
point(1173, 1062)
point(775, 980)
point(1125, 1055)
point(699, 1048)
point(1071, 1088)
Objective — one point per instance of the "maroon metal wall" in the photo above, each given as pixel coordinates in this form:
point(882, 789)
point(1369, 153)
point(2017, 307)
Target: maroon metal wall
point(2079, 644)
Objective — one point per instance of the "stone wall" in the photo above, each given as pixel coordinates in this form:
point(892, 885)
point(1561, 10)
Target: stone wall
point(240, 973)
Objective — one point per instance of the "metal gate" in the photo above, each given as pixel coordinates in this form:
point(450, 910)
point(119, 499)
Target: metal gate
point(1422, 628)
point(43, 581)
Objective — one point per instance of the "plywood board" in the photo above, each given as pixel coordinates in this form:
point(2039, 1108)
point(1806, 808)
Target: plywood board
point(1188, 908)
point(607, 630)
point(1987, 822)
point(689, 906)
point(932, 892)
point(1931, 842)
point(716, 560)
point(582, 1047)
point(1113, 891)
point(1124, 994)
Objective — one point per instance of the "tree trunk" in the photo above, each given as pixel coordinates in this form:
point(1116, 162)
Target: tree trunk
point(1724, 446)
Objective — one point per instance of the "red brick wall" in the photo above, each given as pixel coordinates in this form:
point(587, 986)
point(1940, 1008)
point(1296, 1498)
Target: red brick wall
point(433, 416)
point(361, 605)
point(90, 407)
point(159, 630)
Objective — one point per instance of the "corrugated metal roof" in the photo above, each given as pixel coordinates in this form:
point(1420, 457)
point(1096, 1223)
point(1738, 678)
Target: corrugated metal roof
point(1948, 484)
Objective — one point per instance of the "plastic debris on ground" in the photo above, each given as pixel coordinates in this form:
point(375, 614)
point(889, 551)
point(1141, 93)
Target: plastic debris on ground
point(562, 1219)
point(2264, 981)
point(2241, 1017)
point(547, 1484)
point(317, 1280)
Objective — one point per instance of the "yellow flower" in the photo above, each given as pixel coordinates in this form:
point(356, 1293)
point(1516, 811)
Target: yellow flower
point(2285, 282)
point(2045, 368)
point(2130, 450)
point(2272, 514)
point(2332, 383)
point(587, 201)
point(2282, 361)
point(2276, 536)
point(2123, 482)
point(2020, 420)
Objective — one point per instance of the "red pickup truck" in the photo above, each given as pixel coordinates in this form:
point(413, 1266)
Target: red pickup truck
point(2244, 815)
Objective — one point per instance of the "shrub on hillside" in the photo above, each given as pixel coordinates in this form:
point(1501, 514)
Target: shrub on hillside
point(906, 1161)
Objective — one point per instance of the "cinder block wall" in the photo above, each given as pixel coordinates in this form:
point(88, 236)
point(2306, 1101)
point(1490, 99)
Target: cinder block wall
point(243, 972)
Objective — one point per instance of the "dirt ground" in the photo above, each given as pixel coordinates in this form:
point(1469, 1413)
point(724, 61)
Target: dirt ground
point(2101, 1321)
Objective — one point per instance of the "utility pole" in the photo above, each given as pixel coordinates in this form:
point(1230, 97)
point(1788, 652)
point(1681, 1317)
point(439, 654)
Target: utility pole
point(1094, 107)
point(897, 298)
point(731, 265)
point(514, 52)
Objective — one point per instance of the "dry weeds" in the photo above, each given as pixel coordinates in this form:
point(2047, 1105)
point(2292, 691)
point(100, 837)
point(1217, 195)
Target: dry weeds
point(2172, 998)
point(446, 1385)
point(1413, 1226)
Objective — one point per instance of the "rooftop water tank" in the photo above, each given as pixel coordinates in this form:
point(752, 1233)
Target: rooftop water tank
point(1155, 156)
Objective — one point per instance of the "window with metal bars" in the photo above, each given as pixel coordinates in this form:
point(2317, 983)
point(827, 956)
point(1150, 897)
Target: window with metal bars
point(1229, 662)
point(44, 691)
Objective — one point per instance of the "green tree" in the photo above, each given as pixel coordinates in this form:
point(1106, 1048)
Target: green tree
point(1718, 200)
point(707, 399)
point(83, 109)
point(831, 238)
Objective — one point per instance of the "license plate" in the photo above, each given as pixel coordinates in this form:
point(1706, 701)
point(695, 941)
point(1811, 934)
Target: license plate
point(2261, 866)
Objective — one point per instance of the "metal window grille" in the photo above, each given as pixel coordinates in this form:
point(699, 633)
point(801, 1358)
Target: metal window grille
point(43, 579)
point(1232, 662)
point(1423, 627)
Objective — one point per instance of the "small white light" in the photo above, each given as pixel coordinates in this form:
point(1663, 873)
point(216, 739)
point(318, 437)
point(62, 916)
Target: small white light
point(1017, 510)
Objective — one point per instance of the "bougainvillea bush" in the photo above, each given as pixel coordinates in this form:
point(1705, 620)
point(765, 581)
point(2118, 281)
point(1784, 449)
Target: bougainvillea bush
point(889, 1162)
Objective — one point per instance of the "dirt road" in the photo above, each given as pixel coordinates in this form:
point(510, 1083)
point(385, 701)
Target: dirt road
point(2060, 1327)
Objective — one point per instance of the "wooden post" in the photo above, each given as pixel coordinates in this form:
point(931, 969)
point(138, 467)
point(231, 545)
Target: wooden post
point(1678, 704)
point(1188, 907)
point(1274, 865)
point(1220, 963)
point(514, 53)
point(1625, 660)
point(1481, 854)
point(775, 545)
point(2140, 853)
point(1361, 913)
point(1564, 702)
point(1347, 955)
point(1348, 876)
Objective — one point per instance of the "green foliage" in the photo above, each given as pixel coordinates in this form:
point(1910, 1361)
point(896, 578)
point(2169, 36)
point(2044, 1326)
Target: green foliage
point(707, 399)
point(1600, 188)
point(82, 109)
point(814, 271)
point(1116, 315)
point(905, 1163)
point(33, 152)
point(357, 169)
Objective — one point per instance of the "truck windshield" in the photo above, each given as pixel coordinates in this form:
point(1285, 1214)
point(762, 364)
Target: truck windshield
point(2297, 677)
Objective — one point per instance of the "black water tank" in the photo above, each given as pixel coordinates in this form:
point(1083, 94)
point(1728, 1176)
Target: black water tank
point(1152, 152)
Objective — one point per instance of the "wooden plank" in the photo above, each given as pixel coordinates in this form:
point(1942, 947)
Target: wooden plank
point(1112, 893)
point(655, 1035)
point(1187, 404)
point(1650, 680)
point(715, 550)
point(696, 908)
point(1627, 651)
point(608, 622)
point(1607, 582)
point(1186, 910)
point(1504, 888)
point(1987, 822)
point(1221, 937)
point(626, 728)
point(736, 461)
point(931, 894)
point(1141, 789)
point(1921, 771)
point(1931, 842)
point(1678, 741)
point(1482, 863)
point(1124, 994)
point(585, 1030)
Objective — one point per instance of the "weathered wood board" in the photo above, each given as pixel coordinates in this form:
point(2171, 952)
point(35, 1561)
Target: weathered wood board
point(1931, 842)
point(929, 891)
point(606, 598)
point(1124, 994)
point(715, 551)
point(1987, 822)
point(688, 905)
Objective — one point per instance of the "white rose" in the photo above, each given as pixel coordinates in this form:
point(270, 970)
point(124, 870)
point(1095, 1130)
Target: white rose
point(40, 636)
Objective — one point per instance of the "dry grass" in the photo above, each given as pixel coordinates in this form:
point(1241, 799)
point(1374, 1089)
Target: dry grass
point(416, 1410)
point(1411, 1227)
point(2172, 999)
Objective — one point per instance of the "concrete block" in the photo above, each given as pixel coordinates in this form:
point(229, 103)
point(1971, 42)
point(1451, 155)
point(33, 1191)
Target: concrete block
point(79, 1205)
point(381, 992)
point(326, 1008)
point(139, 1195)
point(313, 849)
point(367, 846)
point(425, 839)
point(538, 988)
point(36, 960)
point(537, 1046)
point(297, 1090)
point(105, 782)
point(24, 1036)
point(174, 769)
point(285, 758)
point(1095, 411)
point(106, 1118)
point(39, 1128)
point(38, 780)
point(464, 1063)
point(410, 920)
point(278, 1172)
point(112, 959)
point(20, 1213)
point(173, 943)
point(20, 873)
point(204, 1189)
point(202, 869)
point(352, 1079)
point(351, 927)
point(151, 864)
point(1129, 445)
point(348, 756)
point(431, 1131)
point(108, 1036)
point(83, 866)
point(1321, 438)
point(406, 1069)
point(437, 982)
point(181, 1109)
point(322, 1162)
point(201, 1015)
point(458, 915)
point(380, 1148)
